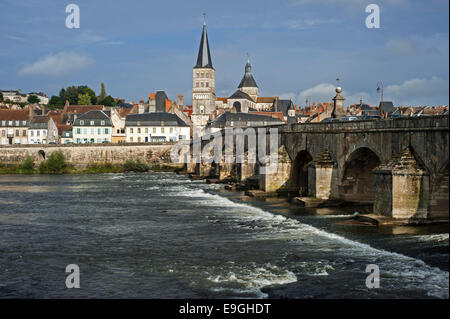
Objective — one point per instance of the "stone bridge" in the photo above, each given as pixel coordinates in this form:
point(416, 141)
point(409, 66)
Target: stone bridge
point(399, 165)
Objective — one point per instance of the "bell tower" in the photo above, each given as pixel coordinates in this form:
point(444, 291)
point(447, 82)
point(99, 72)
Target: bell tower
point(203, 87)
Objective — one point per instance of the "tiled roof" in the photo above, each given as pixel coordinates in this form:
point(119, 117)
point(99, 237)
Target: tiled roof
point(83, 108)
point(14, 115)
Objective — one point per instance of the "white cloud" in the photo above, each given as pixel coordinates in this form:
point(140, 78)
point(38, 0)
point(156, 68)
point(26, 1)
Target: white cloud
point(304, 24)
point(401, 46)
point(324, 92)
point(419, 90)
point(57, 64)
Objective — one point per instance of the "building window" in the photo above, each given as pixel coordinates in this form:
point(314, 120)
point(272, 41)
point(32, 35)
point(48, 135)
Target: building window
point(139, 129)
point(207, 84)
point(202, 84)
point(196, 84)
point(31, 133)
point(202, 109)
point(102, 123)
point(84, 130)
point(146, 130)
point(81, 122)
point(139, 139)
point(139, 123)
point(106, 130)
point(44, 133)
point(92, 130)
point(154, 130)
point(203, 75)
point(162, 129)
point(131, 138)
point(38, 133)
point(92, 123)
point(198, 74)
point(207, 75)
point(99, 131)
point(171, 130)
point(78, 131)
point(131, 130)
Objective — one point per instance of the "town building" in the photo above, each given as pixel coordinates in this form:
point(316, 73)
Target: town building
point(92, 127)
point(42, 130)
point(14, 126)
point(155, 127)
point(230, 120)
point(67, 137)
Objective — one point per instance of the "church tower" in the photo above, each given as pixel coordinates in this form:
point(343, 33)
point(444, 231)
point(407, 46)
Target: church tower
point(248, 83)
point(203, 88)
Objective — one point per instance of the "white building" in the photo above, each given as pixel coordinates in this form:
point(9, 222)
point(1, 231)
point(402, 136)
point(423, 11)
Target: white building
point(66, 137)
point(155, 127)
point(42, 130)
point(92, 127)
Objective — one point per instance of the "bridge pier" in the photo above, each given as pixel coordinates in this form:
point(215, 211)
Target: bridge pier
point(225, 170)
point(203, 169)
point(402, 188)
point(323, 167)
point(277, 177)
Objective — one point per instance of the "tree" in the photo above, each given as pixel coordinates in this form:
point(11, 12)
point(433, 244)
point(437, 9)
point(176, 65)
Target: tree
point(71, 94)
point(84, 99)
point(102, 92)
point(108, 101)
point(1, 97)
point(33, 99)
point(56, 101)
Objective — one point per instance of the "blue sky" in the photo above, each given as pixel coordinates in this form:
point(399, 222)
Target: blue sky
point(297, 47)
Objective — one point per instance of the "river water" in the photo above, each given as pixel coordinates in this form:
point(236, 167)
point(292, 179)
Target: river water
point(163, 236)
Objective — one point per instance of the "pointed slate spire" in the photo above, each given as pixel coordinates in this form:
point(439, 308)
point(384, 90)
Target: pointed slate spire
point(248, 80)
point(204, 56)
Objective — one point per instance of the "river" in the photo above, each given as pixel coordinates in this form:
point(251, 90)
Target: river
point(161, 235)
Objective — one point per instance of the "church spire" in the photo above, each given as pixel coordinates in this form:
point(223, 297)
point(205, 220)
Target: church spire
point(204, 56)
point(248, 80)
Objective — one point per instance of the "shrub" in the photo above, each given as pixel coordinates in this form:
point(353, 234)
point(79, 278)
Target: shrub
point(28, 164)
point(55, 164)
point(132, 166)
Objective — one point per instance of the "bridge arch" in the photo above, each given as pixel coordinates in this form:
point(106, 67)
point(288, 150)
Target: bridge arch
point(299, 172)
point(357, 183)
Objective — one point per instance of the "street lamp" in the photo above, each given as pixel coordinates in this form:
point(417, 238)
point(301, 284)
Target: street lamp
point(380, 90)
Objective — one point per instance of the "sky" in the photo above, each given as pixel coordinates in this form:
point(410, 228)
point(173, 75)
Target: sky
point(297, 48)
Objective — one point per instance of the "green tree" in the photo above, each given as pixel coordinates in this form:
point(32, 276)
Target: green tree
point(102, 92)
point(84, 99)
point(33, 99)
point(1, 97)
point(108, 101)
point(71, 94)
point(56, 101)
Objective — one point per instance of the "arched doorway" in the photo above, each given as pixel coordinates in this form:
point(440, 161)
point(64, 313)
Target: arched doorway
point(299, 175)
point(357, 181)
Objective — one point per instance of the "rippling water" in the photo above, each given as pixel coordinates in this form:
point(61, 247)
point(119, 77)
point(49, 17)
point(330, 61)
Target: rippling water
point(164, 236)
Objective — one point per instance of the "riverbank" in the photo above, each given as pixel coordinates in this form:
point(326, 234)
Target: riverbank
point(28, 167)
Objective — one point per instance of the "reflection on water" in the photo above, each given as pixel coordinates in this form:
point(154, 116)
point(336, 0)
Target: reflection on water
point(162, 236)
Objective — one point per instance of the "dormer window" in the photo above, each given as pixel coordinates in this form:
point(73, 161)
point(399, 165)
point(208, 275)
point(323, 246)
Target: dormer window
point(102, 122)
point(92, 123)
point(81, 122)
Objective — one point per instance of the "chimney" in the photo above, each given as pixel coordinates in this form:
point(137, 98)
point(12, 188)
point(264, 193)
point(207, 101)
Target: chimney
point(180, 100)
point(43, 109)
point(30, 112)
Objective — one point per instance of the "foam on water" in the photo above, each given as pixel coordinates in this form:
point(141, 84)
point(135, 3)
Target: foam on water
point(414, 273)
